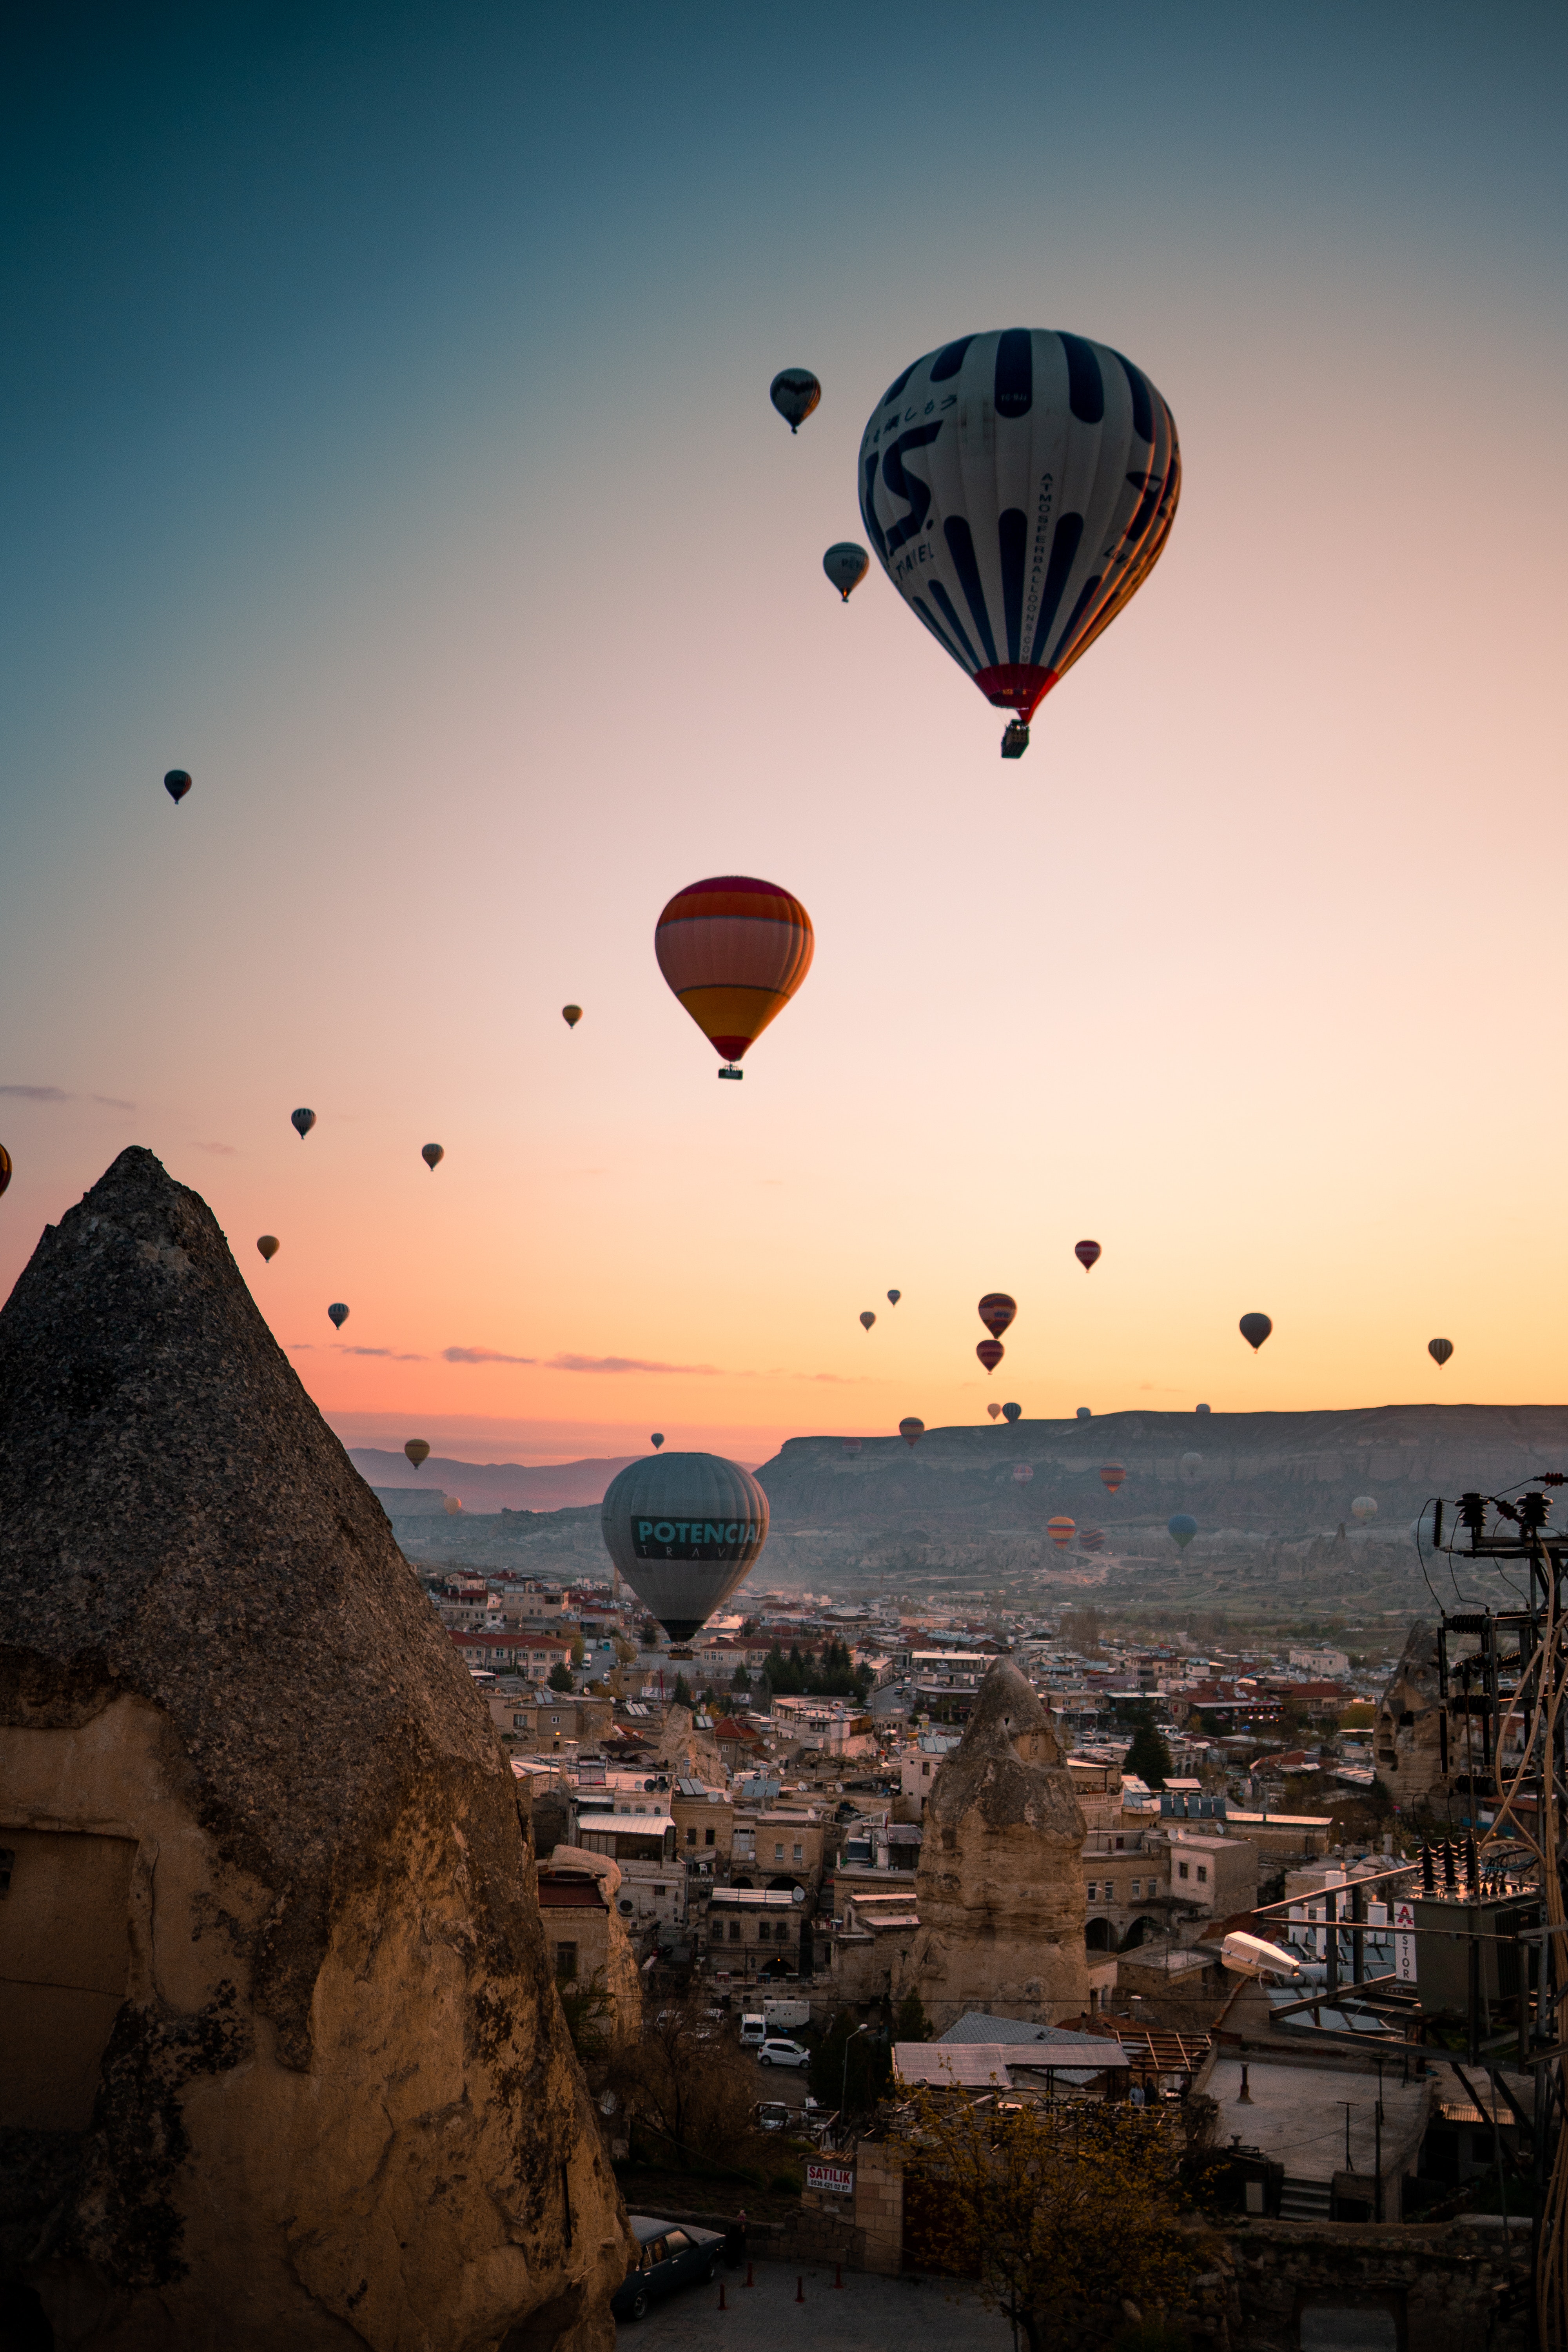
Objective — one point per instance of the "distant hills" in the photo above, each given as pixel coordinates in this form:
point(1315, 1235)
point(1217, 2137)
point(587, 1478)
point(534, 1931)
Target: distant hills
point(490, 1486)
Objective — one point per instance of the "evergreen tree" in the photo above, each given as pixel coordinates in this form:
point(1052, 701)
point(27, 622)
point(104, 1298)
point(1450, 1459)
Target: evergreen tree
point(1148, 1757)
point(561, 1677)
point(683, 1692)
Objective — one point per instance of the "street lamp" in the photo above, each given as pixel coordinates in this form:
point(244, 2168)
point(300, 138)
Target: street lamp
point(844, 2086)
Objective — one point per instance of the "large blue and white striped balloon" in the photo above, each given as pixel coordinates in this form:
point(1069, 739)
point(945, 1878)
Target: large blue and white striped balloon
point(1018, 488)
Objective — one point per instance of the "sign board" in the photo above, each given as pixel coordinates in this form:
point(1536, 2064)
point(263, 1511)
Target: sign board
point(838, 2178)
point(1404, 1943)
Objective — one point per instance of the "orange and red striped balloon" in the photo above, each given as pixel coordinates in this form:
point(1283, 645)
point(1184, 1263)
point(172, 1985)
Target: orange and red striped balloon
point(734, 951)
point(989, 1352)
point(996, 1311)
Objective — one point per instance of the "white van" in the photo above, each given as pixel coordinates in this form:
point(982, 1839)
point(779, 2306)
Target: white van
point(753, 2032)
point(781, 2015)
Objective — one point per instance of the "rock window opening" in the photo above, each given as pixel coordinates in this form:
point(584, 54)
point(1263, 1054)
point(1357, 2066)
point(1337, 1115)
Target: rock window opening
point(565, 1963)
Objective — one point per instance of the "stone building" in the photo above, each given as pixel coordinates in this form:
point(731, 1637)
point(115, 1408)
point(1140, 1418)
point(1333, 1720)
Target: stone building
point(587, 1937)
point(1406, 1740)
point(1000, 1890)
point(281, 2061)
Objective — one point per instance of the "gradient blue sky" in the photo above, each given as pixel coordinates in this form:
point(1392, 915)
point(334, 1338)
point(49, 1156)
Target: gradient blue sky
point(385, 401)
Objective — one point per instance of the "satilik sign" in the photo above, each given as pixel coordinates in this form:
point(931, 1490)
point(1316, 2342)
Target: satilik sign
point(837, 2179)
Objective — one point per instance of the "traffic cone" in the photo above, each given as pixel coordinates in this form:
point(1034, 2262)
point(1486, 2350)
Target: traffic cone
point(723, 2305)
point(800, 2290)
point(839, 2275)
point(750, 2281)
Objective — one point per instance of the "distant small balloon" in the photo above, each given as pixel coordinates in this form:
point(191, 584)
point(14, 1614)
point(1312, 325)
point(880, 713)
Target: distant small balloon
point(1191, 1464)
point(1439, 1350)
point(852, 1445)
point(1365, 1507)
point(1086, 1253)
point(1183, 1527)
point(911, 1430)
point(866, 1318)
point(5, 1171)
point(991, 1353)
point(301, 1121)
point(1013, 1413)
point(177, 784)
point(432, 1155)
point(1091, 1539)
point(268, 1244)
point(417, 1451)
point(1202, 1409)
point(996, 1310)
point(1084, 1413)
point(452, 1505)
point(795, 392)
point(1255, 1330)
point(845, 565)
point(656, 1440)
point(894, 1296)
point(1111, 1477)
point(338, 1314)
point(1061, 1532)
point(994, 1411)
point(571, 1015)
point(1022, 1472)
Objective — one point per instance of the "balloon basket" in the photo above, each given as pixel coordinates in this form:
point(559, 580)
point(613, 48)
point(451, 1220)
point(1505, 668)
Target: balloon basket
point(1014, 739)
point(678, 1653)
point(730, 1071)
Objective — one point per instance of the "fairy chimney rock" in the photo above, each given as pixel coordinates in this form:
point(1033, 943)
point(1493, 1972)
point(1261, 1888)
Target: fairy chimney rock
point(281, 2061)
point(1000, 1891)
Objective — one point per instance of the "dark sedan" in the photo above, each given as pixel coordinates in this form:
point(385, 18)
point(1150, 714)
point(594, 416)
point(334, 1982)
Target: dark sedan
point(670, 2254)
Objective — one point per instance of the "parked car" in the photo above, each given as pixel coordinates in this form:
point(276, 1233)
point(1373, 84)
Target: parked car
point(782, 2053)
point(774, 2114)
point(753, 2030)
point(670, 2254)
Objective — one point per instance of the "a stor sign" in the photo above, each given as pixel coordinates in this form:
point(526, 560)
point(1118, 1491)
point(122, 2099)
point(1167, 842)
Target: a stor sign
point(840, 2179)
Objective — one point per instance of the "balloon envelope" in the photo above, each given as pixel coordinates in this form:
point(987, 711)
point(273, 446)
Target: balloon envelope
point(852, 1445)
point(1191, 1462)
point(911, 1430)
point(270, 1246)
point(571, 1015)
point(1202, 1410)
point(1084, 1413)
point(1365, 1507)
point(996, 1311)
point(1255, 1330)
point(1018, 488)
point(845, 565)
point(452, 1505)
point(1023, 1472)
point(1061, 1532)
point(338, 1314)
point(432, 1155)
point(994, 1411)
point(795, 392)
point(1182, 1527)
point(991, 1353)
point(683, 1529)
point(5, 1171)
point(894, 1296)
point(1013, 1413)
point(1091, 1539)
point(1086, 1253)
point(301, 1121)
point(417, 1451)
point(866, 1318)
point(177, 784)
point(734, 951)
point(656, 1440)
point(1112, 1475)
point(1439, 1350)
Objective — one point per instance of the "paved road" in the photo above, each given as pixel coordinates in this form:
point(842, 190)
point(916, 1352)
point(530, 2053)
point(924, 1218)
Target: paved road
point(870, 2315)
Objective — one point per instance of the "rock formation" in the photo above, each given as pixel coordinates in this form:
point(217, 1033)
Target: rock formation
point(1406, 1754)
point(281, 2061)
point(605, 1951)
point(999, 1890)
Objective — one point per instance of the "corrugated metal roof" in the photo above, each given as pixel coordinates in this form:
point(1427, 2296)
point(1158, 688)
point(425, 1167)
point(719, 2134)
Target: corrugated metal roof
point(976, 2068)
point(975, 2028)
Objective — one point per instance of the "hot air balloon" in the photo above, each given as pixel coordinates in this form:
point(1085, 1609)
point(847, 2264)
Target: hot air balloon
point(1202, 1410)
point(866, 1318)
point(1191, 1464)
point(852, 1445)
point(996, 1311)
point(268, 1244)
point(1183, 1527)
point(994, 1411)
point(1255, 1330)
point(452, 1505)
point(1365, 1507)
point(1091, 1539)
point(911, 1430)
point(795, 392)
point(683, 1529)
point(338, 1315)
point(177, 784)
point(1018, 488)
point(418, 1452)
point(432, 1155)
point(734, 952)
point(991, 1353)
point(5, 1171)
point(1086, 1253)
point(1013, 1413)
point(1061, 1532)
point(894, 1296)
point(1439, 1350)
point(1022, 1474)
point(301, 1121)
point(571, 1015)
point(656, 1440)
point(1084, 1413)
point(1112, 1475)
point(845, 565)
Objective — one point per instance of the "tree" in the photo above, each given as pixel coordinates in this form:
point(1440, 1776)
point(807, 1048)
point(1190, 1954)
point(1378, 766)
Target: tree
point(579, 1649)
point(682, 1692)
point(910, 2023)
point(1062, 2209)
point(561, 1676)
point(740, 1680)
point(1148, 1757)
point(625, 1653)
point(586, 2004)
point(860, 2083)
point(687, 2091)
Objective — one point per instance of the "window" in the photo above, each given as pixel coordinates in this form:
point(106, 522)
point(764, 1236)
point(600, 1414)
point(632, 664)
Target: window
point(1109, 1891)
point(1203, 1873)
point(690, 1837)
point(519, 1723)
point(799, 1850)
point(778, 1851)
point(734, 1931)
point(565, 1962)
point(1094, 1890)
point(707, 1837)
point(1137, 1889)
point(925, 1771)
point(1181, 1870)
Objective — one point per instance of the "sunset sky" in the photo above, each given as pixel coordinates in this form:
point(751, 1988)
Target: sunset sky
point(389, 444)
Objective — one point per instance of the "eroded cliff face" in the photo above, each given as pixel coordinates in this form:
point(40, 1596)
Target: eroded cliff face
point(999, 1890)
point(1406, 1740)
point(281, 2060)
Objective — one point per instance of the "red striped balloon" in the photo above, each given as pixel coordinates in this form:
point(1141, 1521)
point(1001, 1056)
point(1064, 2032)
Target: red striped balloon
point(734, 951)
point(996, 1311)
point(1061, 1532)
point(1086, 1253)
point(1112, 1475)
point(989, 1352)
